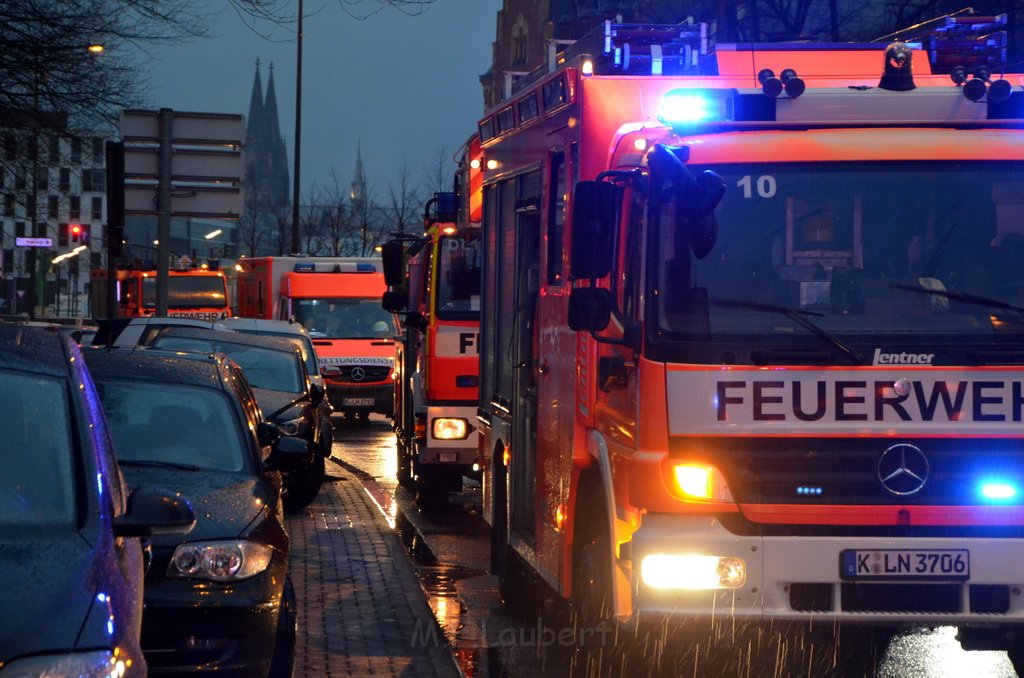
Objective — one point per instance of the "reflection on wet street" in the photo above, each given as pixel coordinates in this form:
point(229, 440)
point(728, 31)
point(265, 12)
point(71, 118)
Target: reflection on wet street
point(533, 635)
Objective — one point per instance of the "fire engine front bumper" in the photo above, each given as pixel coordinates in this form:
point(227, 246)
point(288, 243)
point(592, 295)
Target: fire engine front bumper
point(858, 579)
point(357, 398)
point(451, 437)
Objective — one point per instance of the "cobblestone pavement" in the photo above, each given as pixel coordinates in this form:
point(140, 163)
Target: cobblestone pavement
point(362, 609)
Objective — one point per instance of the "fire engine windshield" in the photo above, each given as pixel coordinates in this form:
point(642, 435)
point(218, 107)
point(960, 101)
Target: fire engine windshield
point(344, 318)
point(186, 291)
point(458, 277)
point(849, 257)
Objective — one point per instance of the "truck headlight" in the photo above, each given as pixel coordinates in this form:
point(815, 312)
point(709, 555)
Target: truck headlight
point(450, 428)
point(692, 572)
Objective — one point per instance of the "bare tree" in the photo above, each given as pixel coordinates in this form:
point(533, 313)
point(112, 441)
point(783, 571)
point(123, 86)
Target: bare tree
point(403, 210)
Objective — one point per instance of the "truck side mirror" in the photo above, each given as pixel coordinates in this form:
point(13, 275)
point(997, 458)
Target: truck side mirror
point(590, 309)
point(595, 213)
point(392, 256)
point(395, 301)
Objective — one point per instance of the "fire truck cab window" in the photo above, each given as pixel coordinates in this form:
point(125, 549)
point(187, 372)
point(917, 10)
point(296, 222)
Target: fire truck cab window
point(863, 251)
point(458, 293)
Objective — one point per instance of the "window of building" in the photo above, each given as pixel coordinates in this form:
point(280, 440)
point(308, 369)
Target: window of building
point(97, 208)
point(54, 150)
point(93, 180)
point(65, 179)
point(20, 182)
point(19, 229)
point(51, 207)
point(10, 147)
point(97, 151)
point(76, 151)
point(75, 208)
point(8, 205)
point(42, 178)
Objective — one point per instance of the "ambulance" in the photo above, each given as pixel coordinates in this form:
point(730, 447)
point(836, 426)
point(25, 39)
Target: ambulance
point(337, 299)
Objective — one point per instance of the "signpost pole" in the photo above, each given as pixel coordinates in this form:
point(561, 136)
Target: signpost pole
point(163, 210)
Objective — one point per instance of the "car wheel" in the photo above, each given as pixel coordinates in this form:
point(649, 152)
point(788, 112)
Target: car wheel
point(304, 485)
point(284, 640)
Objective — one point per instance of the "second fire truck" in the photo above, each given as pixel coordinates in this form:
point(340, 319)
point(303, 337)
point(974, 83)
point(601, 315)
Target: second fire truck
point(437, 361)
point(752, 334)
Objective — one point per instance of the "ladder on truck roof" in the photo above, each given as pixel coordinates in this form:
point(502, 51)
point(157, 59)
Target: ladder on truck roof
point(961, 40)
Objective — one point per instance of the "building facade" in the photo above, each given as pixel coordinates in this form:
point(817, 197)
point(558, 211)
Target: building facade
point(52, 189)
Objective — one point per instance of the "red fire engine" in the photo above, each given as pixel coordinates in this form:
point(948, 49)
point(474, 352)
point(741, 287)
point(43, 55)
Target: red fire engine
point(338, 300)
point(437, 361)
point(752, 329)
point(192, 292)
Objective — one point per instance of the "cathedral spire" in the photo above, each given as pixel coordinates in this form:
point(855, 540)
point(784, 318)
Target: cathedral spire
point(256, 101)
point(357, 192)
point(273, 126)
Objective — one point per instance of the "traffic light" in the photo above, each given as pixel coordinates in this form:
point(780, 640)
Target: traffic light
point(74, 232)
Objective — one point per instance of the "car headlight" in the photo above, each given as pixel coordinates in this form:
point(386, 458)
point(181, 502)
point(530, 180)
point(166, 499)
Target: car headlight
point(96, 664)
point(293, 427)
point(219, 560)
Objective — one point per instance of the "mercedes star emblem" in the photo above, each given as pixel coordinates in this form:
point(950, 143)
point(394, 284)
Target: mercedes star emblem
point(358, 374)
point(903, 470)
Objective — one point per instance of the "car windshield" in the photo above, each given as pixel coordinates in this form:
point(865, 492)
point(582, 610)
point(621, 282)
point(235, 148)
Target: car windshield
point(172, 424)
point(263, 367)
point(37, 484)
point(344, 318)
point(187, 291)
point(300, 340)
point(458, 276)
point(865, 252)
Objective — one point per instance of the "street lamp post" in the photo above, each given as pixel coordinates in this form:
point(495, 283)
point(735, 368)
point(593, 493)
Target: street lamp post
point(298, 135)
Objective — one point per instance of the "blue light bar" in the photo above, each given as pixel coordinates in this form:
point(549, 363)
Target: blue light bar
point(998, 490)
point(807, 491)
point(682, 106)
point(365, 268)
point(305, 267)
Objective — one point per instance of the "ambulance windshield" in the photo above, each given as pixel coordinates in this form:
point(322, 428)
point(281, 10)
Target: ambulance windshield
point(344, 318)
point(865, 252)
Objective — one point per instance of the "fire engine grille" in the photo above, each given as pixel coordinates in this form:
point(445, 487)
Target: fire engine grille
point(362, 373)
point(848, 470)
point(901, 597)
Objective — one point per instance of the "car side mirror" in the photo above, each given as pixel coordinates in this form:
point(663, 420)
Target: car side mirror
point(153, 511)
point(289, 453)
point(316, 394)
point(266, 433)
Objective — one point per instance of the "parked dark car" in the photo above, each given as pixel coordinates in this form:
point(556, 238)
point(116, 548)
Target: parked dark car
point(290, 329)
point(219, 601)
point(71, 561)
point(288, 398)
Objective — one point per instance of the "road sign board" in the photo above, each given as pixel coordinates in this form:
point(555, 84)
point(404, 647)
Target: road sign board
point(33, 242)
point(207, 163)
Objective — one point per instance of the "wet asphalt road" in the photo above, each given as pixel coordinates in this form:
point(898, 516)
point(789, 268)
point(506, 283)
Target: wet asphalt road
point(535, 637)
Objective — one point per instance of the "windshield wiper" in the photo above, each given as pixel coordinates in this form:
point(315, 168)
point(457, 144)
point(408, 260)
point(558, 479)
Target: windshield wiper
point(157, 464)
point(800, 317)
point(965, 297)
